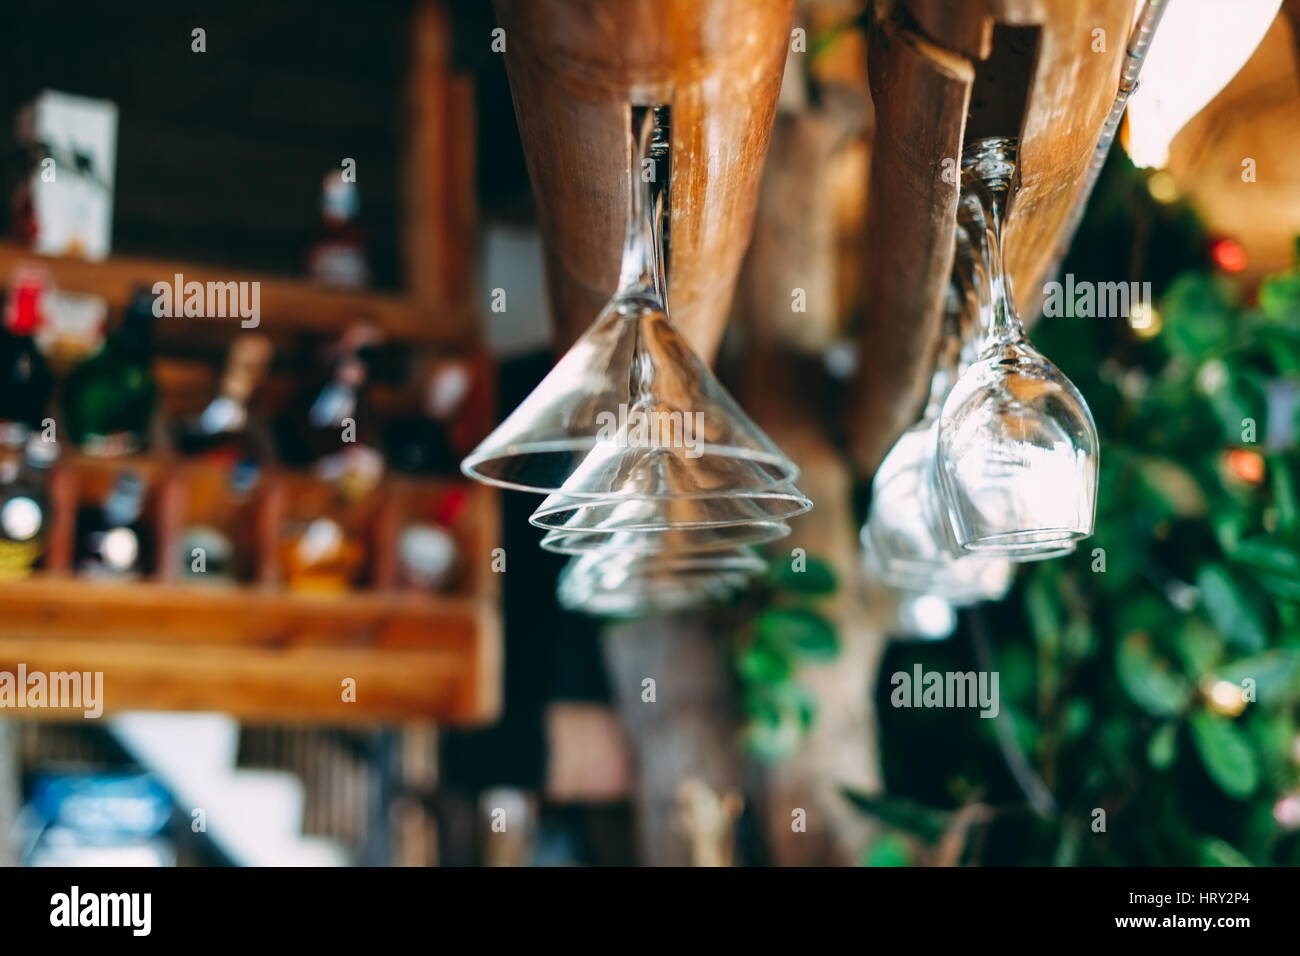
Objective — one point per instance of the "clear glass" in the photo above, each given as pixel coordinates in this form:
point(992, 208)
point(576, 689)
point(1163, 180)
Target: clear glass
point(563, 513)
point(630, 399)
point(672, 541)
point(909, 550)
point(623, 584)
point(1017, 453)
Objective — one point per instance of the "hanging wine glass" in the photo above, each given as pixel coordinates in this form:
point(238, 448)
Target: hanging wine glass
point(672, 541)
point(630, 397)
point(899, 535)
point(973, 304)
point(621, 584)
point(1017, 447)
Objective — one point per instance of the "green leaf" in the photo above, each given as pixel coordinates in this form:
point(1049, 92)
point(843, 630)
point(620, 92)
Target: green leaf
point(798, 631)
point(1279, 297)
point(770, 743)
point(1284, 493)
point(1199, 309)
point(1199, 647)
point(1238, 618)
point(889, 849)
point(1173, 486)
point(1216, 852)
point(1226, 754)
point(1287, 588)
point(1042, 604)
point(1273, 672)
point(1148, 679)
point(1077, 719)
point(762, 663)
point(1162, 748)
point(814, 577)
point(795, 702)
point(1268, 553)
point(904, 814)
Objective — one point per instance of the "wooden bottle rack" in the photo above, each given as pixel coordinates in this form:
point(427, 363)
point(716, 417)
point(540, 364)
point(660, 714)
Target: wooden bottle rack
point(253, 648)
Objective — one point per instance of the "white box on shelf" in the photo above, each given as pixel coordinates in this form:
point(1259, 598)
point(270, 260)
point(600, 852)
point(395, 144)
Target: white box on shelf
point(72, 142)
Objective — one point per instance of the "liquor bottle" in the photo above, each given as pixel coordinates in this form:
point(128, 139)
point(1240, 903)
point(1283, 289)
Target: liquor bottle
point(109, 400)
point(338, 256)
point(25, 380)
point(112, 541)
point(427, 549)
point(208, 551)
point(222, 431)
point(322, 550)
point(423, 443)
point(24, 506)
point(331, 414)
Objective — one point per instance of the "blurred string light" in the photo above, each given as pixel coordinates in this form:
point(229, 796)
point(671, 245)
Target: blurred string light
point(1199, 48)
point(923, 617)
point(1224, 697)
point(1144, 319)
point(1245, 466)
point(1287, 811)
point(1162, 187)
point(1228, 254)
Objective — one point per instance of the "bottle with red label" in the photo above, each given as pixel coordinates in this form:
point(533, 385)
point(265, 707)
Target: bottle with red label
point(25, 380)
point(427, 549)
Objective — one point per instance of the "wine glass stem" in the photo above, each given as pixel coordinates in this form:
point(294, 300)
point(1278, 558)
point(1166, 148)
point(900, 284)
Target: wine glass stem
point(1004, 324)
point(642, 270)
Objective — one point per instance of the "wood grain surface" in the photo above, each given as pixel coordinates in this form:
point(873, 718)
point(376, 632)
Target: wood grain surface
point(575, 66)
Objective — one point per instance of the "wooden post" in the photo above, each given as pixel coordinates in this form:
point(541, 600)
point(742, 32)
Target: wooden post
point(439, 238)
point(575, 66)
point(913, 212)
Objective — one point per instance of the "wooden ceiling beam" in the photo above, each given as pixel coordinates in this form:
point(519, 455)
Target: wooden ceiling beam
point(574, 68)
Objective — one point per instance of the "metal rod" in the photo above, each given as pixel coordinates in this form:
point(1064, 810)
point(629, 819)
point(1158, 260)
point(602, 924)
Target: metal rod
point(1139, 42)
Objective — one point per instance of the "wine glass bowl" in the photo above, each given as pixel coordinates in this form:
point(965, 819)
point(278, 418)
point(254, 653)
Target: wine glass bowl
point(1017, 452)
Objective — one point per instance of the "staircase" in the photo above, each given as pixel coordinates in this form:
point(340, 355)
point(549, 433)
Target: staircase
point(253, 816)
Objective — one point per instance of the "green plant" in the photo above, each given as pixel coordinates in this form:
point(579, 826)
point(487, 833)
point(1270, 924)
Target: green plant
point(1151, 680)
point(788, 630)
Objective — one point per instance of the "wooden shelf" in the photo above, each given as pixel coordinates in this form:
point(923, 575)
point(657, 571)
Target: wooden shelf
point(286, 304)
point(258, 654)
point(253, 647)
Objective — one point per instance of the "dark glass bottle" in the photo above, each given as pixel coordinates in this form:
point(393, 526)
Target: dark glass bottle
point(24, 506)
point(25, 380)
point(331, 415)
point(224, 430)
point(213, 549)
point(338, 255)
point(112, 540)
point(110, 398)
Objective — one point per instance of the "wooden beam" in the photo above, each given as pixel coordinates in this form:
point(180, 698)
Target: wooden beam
point(574, 67)
point(922, 87)
point(439, 243)
point(1074, 80)
point(921, 93)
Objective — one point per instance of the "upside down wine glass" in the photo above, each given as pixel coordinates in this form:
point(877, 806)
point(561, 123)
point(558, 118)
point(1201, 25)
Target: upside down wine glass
point(636, 443)
point(1017, 452)
point(900, 534)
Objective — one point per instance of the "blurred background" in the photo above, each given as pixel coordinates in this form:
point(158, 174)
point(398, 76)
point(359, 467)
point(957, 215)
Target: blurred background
point(325, 652)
